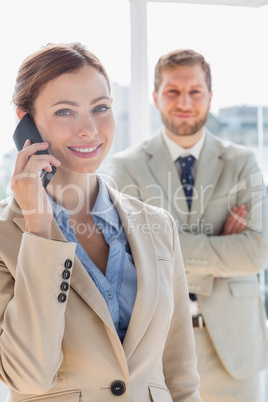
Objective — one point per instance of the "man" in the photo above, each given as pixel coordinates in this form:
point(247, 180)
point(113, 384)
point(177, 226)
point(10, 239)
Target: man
point(214, 190)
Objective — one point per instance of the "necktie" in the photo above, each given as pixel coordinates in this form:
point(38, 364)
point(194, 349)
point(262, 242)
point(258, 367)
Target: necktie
point(187, 179)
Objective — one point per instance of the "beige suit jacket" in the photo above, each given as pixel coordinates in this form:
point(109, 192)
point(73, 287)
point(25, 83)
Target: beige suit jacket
point(70, 351)
point(221, 270)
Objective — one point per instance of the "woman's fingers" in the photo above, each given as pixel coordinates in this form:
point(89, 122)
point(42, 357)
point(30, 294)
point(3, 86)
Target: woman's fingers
point(26, 144)
point(26, 183)
point(39, 162)
point(25, 154)
point(33, 168)
point(27, 160)
point(27, 187)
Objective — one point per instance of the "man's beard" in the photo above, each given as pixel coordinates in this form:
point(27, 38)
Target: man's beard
point(184, 128)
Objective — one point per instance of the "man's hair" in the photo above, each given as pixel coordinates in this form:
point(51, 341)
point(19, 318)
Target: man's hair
point(47, 64)
point(178, 58)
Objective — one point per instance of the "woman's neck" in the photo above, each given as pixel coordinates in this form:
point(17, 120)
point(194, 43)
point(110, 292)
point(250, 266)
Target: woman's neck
point(77, 192)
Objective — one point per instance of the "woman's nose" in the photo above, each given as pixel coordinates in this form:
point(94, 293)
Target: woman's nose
point(87, 127)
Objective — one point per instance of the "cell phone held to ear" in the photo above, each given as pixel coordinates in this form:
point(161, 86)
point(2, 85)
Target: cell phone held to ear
point(27, 130)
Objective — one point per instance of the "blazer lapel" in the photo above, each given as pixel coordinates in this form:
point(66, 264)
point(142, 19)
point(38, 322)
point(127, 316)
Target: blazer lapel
point(210, 167)
point(145, 258)
point(80, 280)
point(165, 173)
point(82, 283)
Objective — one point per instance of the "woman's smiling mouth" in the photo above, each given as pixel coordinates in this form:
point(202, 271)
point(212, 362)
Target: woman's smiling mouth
point(85, 151)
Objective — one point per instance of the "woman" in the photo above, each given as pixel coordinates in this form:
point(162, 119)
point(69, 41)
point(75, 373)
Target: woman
point(89, 278)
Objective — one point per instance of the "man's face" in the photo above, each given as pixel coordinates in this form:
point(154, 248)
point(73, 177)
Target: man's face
point(183, 100)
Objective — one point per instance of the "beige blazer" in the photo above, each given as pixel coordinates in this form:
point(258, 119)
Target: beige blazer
point(69, 351)
point(221, 270)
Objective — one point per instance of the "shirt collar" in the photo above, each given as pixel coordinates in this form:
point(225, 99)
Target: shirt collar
point(176, 150)
point(59, 212)
point(103, 209)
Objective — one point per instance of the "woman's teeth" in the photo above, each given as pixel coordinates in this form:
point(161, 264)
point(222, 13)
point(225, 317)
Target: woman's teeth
point(84, 150)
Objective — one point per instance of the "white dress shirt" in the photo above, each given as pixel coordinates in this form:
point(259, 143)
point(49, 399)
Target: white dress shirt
point(176, 151)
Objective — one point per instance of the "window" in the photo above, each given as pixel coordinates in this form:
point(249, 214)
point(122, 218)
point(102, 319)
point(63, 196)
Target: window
point(25, 26)
point(238, 64)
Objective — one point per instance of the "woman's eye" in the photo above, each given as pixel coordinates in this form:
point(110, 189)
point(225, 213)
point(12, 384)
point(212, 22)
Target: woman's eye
point(63, 112)
point(101, 108)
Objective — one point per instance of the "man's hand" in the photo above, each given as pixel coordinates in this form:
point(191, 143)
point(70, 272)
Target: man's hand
point(236, 222)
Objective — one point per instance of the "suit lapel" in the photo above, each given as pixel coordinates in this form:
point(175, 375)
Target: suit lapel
point(210, 166)
point(80, 279)
point(165, 173)
point(88, 291)
point(82, 283)
point(145, 258)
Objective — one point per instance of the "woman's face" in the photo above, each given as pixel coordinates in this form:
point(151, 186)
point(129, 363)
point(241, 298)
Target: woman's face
point(74, 115)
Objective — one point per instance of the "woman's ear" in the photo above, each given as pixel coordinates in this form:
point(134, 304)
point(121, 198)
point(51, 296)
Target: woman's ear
point(21, 113)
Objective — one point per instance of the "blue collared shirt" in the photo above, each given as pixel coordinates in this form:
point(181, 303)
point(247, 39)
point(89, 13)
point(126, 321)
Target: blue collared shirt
point(119, 285)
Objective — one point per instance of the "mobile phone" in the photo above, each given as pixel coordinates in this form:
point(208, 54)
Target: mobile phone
point(26, 129)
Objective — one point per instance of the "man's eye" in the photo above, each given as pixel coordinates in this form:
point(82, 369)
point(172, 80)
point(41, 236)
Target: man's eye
point(63, 112)
point(101, 108)
point(173, 92)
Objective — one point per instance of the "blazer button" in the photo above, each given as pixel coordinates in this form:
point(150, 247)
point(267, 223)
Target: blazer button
point(66, 274)
point(118, 388)
point(62, 298)
point(64, 286)
point(68, 264)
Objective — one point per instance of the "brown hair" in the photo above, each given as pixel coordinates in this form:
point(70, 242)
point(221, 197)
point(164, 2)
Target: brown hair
point(178, 58)
point(47, 64)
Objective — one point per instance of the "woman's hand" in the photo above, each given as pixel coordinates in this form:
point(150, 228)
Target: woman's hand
point(27, 187)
